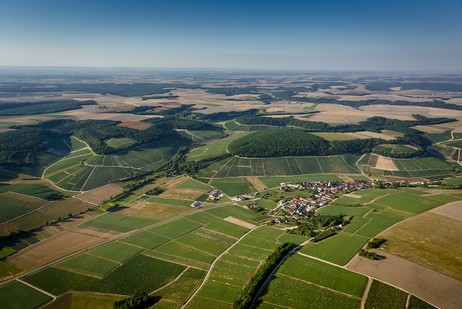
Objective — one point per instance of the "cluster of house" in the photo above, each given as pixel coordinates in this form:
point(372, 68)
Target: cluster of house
point(323, 194)
point(215, 195)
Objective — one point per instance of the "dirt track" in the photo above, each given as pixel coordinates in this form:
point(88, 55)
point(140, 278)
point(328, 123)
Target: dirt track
point(433, 287)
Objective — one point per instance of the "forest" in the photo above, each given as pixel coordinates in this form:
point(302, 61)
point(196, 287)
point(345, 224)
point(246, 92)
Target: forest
point(21, 145)
point(291, 142)
point(44, 107)
point(290, 95)
point(373, 124)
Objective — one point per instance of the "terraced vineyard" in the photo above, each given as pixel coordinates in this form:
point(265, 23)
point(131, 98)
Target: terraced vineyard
point(82, 170)
point(422, 167)
point(237, 167)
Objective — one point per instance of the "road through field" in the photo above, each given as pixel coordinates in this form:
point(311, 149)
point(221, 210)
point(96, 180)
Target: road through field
point(213, 264)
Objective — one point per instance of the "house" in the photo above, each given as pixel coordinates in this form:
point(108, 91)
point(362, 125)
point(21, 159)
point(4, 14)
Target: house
point(197, 204)
point(215, 195)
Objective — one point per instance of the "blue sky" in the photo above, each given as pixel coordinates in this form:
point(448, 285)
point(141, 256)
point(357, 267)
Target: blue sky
point(415, 35)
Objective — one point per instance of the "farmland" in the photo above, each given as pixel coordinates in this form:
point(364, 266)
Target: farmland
point(148, 150)
point(82, 171)
point(19, 295)
point(15, 204)
point(215, 148)
point(424, 167)
point(285, 166)
point(422, 240)
point(382, 295)
point(328, 249)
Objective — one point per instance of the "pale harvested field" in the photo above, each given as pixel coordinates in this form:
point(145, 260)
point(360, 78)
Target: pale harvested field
point(457, 101)
point(99, 195)
point(429, 239)
point(353, 195)
point(257, 183)
point(451, 210)
point(153, 211)
point(340, 114)
point(431, 286)
point(113, 102)
point(411, 110)
point(385, 96)
point(289, 107)
point(137, 125)
point(392, 133)
point(440, 128)
point(90, 112)
point(186, 194)
point(386, 164)
point(57, 246)
point(430, 129)
point(174, 182)
point(208, 103)
point(23, 120)
point(368, 134)
point(240, 222)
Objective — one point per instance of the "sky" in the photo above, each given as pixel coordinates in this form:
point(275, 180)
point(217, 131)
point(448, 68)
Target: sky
point(349, 35)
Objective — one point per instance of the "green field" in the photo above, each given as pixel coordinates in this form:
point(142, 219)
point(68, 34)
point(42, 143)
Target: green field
point(272, 182)
point(323, 274)
point(176, 293)
point(384, 296)
point(215, 148)
point(115, 222)
point(171, 201)
point(282, 166)
point(377, 224)
point(140, 273)
point(282, 289)
point(13, 205)
point(18, 295)
point(82, 171)
point(201, 136)
point(338, 249)
point(88, 264)
point(233, 186)
point(38, 189)
point(409, 201)
point(115, 251)
point(424, 167)
point(120, 143)
point(335, 136)
point(235, 267)
point(388, 149)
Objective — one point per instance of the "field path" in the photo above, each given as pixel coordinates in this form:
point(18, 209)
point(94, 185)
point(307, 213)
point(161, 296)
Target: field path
point(213, 264)
point(366, 292)
point(36, 288)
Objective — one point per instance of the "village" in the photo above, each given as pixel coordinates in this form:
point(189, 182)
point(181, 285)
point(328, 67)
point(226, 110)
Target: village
point(323, 193)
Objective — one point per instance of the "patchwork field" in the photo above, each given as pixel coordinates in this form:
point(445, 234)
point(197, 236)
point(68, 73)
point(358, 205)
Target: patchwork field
point(238, 167)
point(423, 167)
point(82, 171)
point(17, 204)
point(327, 286)
point(430, 240)
point(431, 286)
point(215, 148)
